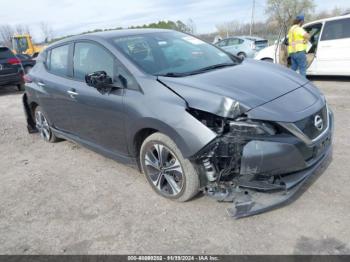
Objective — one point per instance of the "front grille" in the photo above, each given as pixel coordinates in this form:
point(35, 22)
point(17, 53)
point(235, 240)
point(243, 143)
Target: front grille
point(308, 127)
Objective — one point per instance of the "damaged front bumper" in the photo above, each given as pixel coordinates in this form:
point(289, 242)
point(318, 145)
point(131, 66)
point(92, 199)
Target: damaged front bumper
point(259, 175)
point(248, 202)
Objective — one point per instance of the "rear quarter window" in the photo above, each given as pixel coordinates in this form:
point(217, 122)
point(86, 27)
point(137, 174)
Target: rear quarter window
point(337, 29)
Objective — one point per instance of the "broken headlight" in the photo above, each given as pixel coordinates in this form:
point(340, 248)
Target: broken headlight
point(251, 128)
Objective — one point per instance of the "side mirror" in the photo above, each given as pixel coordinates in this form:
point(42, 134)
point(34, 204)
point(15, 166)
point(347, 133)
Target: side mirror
point(100, 80)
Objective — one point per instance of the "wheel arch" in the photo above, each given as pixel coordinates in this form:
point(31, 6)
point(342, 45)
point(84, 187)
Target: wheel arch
point(138, 139)
point(242, 53)
point(29, 108)
point(148, 126)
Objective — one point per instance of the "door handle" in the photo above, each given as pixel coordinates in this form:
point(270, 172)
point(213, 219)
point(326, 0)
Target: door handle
point(41, 84)
point(72, 93)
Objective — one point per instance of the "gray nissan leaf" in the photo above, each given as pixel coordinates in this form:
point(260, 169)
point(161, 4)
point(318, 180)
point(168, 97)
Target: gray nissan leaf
point(189, 115)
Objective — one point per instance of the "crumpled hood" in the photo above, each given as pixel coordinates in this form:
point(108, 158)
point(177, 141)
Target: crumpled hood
point(251, 83)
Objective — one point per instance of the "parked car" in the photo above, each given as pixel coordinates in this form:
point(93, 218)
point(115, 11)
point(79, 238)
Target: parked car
point(11, 71)
point(27, 62)
point(329, 52)
point(189, 115)
point(243, 46)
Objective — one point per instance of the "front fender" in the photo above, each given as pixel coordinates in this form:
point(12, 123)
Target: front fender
point(190, 135)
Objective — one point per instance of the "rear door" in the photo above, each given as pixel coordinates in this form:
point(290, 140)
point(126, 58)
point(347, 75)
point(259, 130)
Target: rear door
point(52, 82)
point(334, 48)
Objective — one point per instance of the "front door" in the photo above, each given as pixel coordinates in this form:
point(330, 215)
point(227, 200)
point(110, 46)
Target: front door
point(233, 46)
point(99, 117)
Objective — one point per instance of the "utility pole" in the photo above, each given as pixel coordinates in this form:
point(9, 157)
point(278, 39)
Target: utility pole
point(252, 20)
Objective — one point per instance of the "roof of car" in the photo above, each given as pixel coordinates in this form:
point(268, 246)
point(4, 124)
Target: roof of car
point(127, 32)
point(328, 19)
point(252, 38)
point(110, 34)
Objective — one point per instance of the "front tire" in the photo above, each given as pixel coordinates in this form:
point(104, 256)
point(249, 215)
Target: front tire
point(43, 127)
point(167, 171)
point(27, 69)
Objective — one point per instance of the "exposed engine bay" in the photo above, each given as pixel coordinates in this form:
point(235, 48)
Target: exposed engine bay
point(242, 166)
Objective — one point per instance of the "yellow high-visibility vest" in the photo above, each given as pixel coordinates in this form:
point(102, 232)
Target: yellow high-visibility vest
point(296, 39)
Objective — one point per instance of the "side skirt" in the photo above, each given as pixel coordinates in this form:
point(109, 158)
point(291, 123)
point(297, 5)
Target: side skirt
point(126, 160)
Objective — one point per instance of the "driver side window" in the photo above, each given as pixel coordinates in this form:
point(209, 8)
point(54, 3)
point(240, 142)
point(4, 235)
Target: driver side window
point(89, 58)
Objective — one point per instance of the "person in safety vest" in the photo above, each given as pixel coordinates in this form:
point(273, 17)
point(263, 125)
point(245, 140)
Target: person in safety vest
point(297, 45)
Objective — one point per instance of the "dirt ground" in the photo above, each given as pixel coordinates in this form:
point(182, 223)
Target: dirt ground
point(64, 199)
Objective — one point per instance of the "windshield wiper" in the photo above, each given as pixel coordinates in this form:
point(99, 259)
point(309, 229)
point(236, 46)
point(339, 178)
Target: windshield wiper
point(212, 67)
point(172, 74)
point(198, 71)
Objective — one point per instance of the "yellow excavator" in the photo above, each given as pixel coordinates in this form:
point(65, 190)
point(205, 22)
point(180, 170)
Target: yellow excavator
point(23, 44)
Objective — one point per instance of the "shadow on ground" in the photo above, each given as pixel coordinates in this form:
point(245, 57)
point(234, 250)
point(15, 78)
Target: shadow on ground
point(327, 246)
point(330, 78)
point(9, 90)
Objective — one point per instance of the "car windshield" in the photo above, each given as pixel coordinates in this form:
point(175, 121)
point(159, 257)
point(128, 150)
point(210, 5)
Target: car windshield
point(172, 53)
point(20, 44)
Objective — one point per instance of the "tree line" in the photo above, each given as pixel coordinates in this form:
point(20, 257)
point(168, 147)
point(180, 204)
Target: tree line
point(279, 12)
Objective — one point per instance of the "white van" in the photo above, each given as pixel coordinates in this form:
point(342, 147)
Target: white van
point(330, 47)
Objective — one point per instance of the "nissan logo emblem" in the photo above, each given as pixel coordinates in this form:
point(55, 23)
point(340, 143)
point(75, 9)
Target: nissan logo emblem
point(318, 122)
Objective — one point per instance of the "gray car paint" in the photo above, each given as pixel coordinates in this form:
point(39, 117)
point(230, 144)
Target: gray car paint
point(163, 106)
point(251, 83)
point(110, 123)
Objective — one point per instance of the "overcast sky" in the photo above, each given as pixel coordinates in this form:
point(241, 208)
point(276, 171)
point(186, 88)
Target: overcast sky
point(74, 16)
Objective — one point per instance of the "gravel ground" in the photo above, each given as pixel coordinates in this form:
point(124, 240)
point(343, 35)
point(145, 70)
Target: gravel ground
point(64, 199)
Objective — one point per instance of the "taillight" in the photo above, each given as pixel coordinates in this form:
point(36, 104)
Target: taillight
point(27, 79)
point(13, 61)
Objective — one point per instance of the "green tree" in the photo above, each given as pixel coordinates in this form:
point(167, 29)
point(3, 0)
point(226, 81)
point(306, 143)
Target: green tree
point(285, 11)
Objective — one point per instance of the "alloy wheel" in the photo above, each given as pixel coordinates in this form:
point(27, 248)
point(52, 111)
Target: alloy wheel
point(164, 170)
point(42, 125)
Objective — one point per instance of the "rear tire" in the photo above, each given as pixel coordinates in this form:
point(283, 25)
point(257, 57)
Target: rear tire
point(267, 60)
point(43, 127)
point(169, 173)
point(20, 87)
point(242, 55)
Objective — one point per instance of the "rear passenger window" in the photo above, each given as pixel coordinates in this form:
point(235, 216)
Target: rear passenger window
point(337, 29)
point(233, 41)
point(222, 43)
point(57, 62)
point(89, 58)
